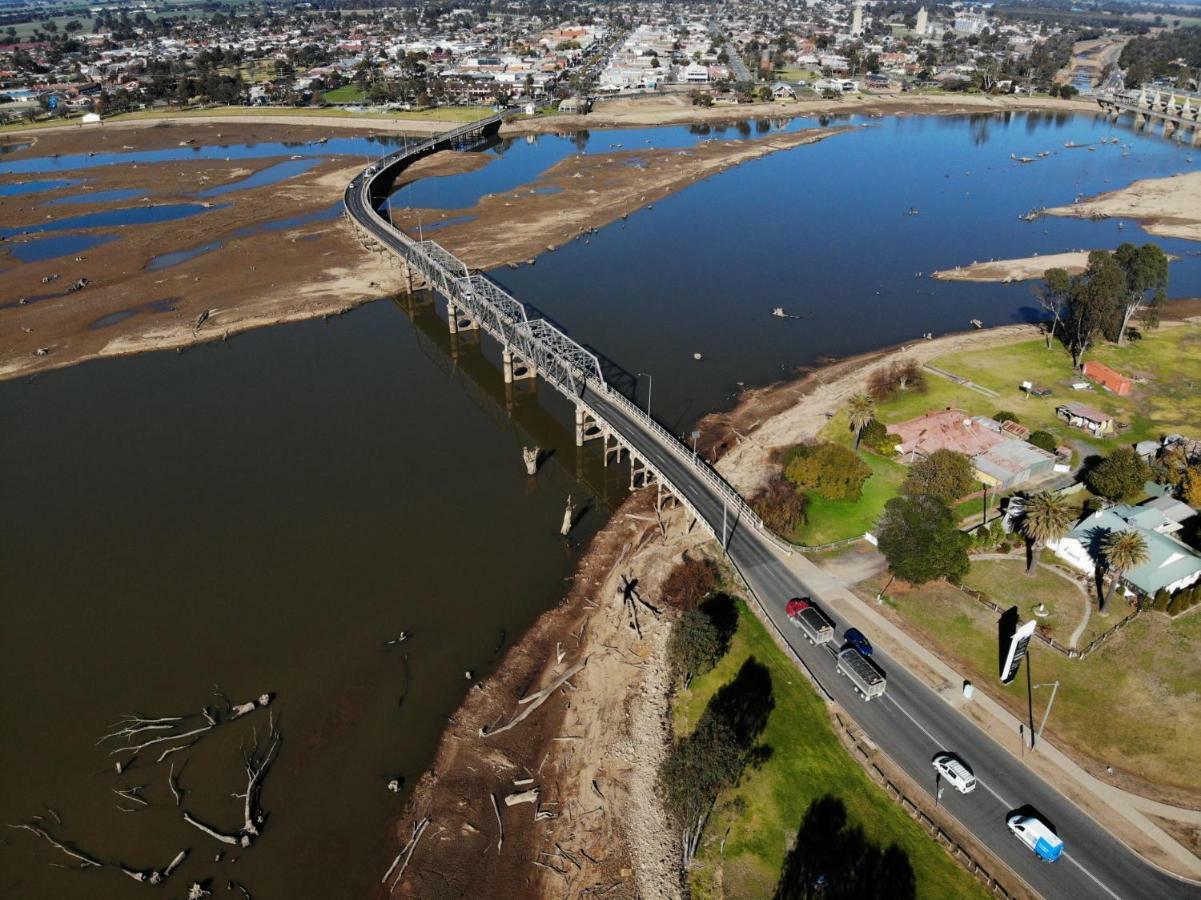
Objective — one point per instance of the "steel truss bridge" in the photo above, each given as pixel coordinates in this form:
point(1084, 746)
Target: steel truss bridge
point(533, 346)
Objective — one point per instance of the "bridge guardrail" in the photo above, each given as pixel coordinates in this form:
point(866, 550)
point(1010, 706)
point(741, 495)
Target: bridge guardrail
point(556, 356)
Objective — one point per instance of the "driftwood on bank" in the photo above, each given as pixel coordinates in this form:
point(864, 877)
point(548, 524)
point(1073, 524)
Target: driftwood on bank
point(533, 701)
point(406, 852)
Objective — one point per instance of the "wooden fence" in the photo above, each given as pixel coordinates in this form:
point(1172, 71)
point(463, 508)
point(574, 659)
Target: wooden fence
point(1069, 652)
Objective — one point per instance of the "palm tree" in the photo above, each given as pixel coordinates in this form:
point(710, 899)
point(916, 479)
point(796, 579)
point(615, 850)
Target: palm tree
point(1123, 550)
point(1046, 516)
point(860, 411)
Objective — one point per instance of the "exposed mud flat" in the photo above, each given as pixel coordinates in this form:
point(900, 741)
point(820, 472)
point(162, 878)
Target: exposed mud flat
point(585, 192)
point(266, 255)
point(1009, 270)
point(1169, 207)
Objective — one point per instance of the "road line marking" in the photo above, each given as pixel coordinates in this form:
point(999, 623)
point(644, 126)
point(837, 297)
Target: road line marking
point(1095, 879)
point(939, 743)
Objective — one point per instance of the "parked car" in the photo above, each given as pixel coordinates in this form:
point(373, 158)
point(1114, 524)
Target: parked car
point(956, 772)
point(1037, 835)
point(853, 637)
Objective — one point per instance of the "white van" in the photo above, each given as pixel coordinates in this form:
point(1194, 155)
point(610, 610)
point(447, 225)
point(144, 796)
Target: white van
point(1037, 835)
point(956, 772)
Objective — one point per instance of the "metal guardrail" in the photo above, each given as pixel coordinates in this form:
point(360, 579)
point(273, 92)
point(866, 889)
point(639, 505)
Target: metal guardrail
point(565, 364)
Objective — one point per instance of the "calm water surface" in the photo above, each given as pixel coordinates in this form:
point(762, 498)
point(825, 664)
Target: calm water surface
point(262, 514)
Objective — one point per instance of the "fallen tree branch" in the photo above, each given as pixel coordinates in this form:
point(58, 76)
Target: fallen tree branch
point(499, 824)
point(407, 853)
point(85, 861)
point(230, 839)
point(533, 701)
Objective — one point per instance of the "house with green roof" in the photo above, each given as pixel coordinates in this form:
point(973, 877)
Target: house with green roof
point(1170, 564)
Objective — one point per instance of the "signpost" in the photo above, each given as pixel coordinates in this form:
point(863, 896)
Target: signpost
point(1017, 651)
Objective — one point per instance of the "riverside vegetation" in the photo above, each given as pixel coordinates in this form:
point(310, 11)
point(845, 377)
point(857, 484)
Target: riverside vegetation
point(756, 772)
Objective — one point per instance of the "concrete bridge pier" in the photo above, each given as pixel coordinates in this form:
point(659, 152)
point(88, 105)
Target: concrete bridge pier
point(516, 368)
point(587, 428)
point(665, 498)
point(459, 320)
point(615, 450)
point(640, 475)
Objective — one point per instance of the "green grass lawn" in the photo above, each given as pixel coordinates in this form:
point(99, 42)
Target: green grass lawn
point(807, 762)
point(1132, 704)
point(1006, 584)
point(1169, 358)
point(835, 520)
point(348, 93)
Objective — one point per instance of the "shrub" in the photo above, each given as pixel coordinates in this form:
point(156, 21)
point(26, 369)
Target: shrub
point(1119, 476)
point(781, 506)
point(1004, 547)
point(903, 375)
point(695, 645)
point(1161, 601)
point(1043, 440)
point(944, 474)
point(690, 582)
point(1190, 486)
point(919, 538)
point(832, 470)
point(1004, 416)
point(875, 437)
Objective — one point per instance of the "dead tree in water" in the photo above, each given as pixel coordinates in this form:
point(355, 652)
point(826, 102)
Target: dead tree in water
point(87, 861)
point(568, 518)
point(256, 763)
point(530, 456)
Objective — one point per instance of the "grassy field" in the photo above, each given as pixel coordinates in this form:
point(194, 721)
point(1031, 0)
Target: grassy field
point(835, 520)
point(347, 93)
point(1005, 583)
point(1169, 358)
point(794, 74)
point(760, 816)
point(1132, 704)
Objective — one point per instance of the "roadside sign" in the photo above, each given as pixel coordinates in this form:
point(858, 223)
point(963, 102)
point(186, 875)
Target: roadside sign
point(1017, 651)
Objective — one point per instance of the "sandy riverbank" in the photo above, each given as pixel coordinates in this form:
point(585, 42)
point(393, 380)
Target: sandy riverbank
point(1008, 270)
point(676, 109)
point(1029, 268)
point(1170, 207)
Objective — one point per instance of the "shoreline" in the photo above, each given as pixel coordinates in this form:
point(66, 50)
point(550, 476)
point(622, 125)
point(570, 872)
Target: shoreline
point(740, 441)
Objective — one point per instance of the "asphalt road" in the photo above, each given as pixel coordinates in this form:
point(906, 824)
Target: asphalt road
point(910, 723)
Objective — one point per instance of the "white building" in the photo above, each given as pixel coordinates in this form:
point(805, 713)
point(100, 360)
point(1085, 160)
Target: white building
point(923, 21)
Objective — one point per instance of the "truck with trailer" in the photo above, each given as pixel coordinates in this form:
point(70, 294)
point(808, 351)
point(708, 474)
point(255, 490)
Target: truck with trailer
point(815, 624)
point(867, 680)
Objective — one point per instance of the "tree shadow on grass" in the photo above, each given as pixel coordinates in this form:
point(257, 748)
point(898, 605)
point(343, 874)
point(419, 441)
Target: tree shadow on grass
point(833, 860)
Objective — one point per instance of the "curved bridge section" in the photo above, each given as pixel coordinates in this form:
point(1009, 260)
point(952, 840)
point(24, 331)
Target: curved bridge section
point(532, 347)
